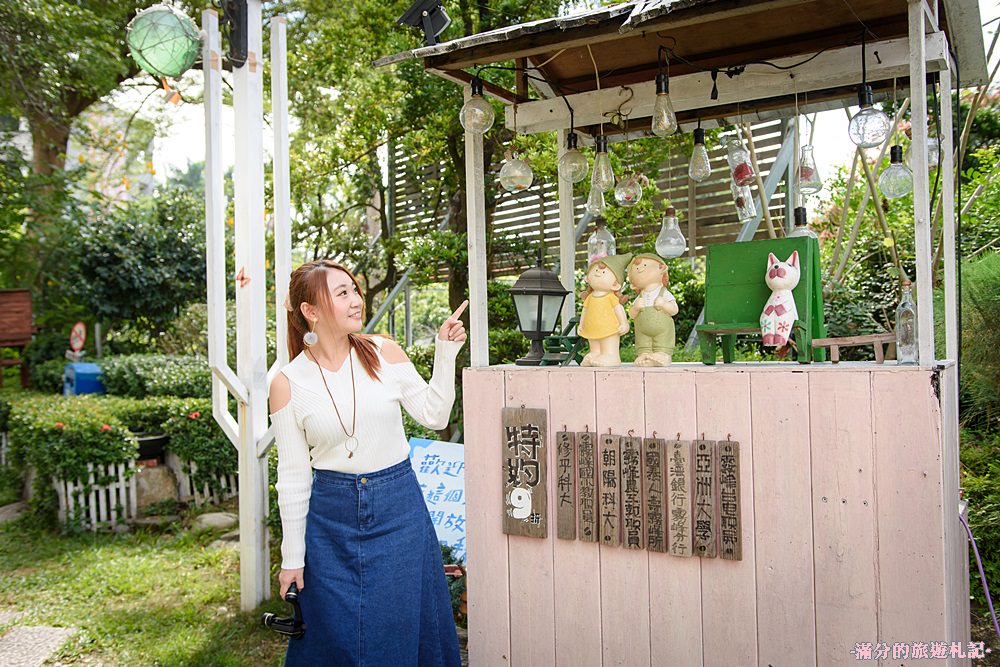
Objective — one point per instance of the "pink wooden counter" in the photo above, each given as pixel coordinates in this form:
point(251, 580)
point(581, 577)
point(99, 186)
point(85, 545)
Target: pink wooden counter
point(850, 525)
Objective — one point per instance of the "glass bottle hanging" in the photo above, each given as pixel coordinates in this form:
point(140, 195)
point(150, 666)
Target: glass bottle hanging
point(670, 242)
point(628, 192)
point(515, 174)
point(802, 227)
point(738, 158)
point(700, 168)
point(601, 243)
point(906, 327)
point(933, 153)
point(746, 209)
point(809, 181)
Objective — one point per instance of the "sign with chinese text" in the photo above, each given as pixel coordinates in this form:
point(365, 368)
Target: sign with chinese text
point(566, 485)
point(729, 501)
point(610, 490)
point(652, 474)
point(704, 499)
point(679, 497)
point(525, 452)
point(440, 470)
point(632, 533)
point(587, 476)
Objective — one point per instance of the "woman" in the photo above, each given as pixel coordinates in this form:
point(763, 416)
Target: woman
point(357, 538)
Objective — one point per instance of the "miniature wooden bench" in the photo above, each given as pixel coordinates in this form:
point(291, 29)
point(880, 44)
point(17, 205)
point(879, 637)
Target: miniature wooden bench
point(876, 340)
point(735, 295)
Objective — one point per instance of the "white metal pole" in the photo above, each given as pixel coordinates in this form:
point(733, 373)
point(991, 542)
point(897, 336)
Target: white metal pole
point(282, 180)
point(921, 195)
point(567, 239)
point(251, 313)
point(949, 255)
point(475, 209)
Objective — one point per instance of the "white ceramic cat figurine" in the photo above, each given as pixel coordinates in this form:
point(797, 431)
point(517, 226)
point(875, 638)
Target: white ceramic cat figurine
point(780, 312)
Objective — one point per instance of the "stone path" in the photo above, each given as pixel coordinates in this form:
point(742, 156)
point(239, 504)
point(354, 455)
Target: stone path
point(26, 646)
point(12, 511)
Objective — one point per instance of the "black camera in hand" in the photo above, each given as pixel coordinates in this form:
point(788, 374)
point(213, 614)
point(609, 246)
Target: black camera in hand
point(290, 626)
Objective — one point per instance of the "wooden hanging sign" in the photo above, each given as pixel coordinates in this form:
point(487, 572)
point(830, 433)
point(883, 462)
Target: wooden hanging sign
point(610, 491)
point(679, 497)
point(705, 510)
point(566, 485)
point(586, 468)
point(652, 476)
point(730, 527)
point(633, 535)
point(524, 472)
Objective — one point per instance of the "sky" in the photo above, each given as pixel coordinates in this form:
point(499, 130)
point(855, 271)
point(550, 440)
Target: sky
point(184, 140)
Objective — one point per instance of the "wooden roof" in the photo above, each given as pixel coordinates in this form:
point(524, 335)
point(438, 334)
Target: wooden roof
point(703, 35)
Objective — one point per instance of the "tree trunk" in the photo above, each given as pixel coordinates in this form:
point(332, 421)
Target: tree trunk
point(49, 142)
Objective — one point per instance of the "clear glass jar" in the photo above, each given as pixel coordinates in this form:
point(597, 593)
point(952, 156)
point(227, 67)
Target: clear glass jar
point(516, 175)
point(809, 181)
point(906, 327)
point(628, 192)
point(738, 158)
point(746, 209)
point(601, 243)
point(670, 242)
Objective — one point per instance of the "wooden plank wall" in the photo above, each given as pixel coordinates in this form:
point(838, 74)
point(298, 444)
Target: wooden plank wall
point(848, 534)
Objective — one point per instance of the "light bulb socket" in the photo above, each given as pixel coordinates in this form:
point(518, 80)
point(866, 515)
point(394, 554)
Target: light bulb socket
point(571, 141)
point(662, 84)
point(477, 86)
point(699, 135)
point(895, 155)
point(601, 143)
point(866, 97)
point(800, 216)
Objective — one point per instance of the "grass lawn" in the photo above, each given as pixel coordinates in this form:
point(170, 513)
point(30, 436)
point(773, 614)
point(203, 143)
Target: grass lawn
point(138, 599)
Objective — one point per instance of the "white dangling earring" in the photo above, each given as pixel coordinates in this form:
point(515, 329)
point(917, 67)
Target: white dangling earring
point(311, 337)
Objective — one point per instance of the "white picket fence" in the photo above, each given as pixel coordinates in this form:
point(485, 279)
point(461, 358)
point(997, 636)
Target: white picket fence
point(99, 505)
point(187, 492)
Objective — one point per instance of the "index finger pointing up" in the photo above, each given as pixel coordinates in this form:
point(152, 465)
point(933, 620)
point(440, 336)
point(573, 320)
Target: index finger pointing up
point(458, 311)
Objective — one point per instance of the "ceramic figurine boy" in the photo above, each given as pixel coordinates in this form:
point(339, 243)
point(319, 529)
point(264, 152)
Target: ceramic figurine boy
point(652, 310)
point(603, 320)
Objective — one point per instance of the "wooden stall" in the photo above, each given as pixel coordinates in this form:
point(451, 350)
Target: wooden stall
point(848, 503)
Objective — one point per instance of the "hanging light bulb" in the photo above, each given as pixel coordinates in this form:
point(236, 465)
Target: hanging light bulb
point(515, 174)
point(670, 242)
point(477, 114)
point(802, 227)
point(664, 118)
point(809, 181)
point(933, 153)
point(595, 201)
point(869, 127)
point(628, 192)
point(573, 165)
point(603, 176)
point(896, 180)
point(700, 168)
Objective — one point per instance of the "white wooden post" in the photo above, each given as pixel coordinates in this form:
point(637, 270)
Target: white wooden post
point(251, 313)
point(475, 210)
point(567, 239)
point(282, 180)
point(921, 195)
point(947, 172)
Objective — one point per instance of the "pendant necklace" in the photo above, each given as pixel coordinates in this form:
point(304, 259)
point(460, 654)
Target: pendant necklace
point(351, 445)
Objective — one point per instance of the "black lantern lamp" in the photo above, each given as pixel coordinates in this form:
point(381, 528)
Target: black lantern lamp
point(538, 298)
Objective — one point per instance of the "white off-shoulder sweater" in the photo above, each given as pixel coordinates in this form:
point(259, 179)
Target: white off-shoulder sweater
point(308, 434)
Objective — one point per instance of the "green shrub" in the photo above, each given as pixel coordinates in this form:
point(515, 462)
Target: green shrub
point(980, 387)
point(148, 415)
point(981, 481)
point(507, 345)
point(58, 437)
point(196, 438)
point(47, 376)
point(141, 375)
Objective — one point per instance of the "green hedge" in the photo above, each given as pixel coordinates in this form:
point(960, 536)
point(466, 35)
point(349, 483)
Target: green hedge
point(142, 375)
point(196, 438)
point(47, 376)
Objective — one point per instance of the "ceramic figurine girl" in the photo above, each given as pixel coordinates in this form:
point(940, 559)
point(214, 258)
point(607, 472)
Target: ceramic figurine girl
point(603, 320)
point(652, 310)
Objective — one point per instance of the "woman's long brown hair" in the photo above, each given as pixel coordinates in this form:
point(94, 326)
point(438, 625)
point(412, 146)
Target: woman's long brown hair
point(308, 285)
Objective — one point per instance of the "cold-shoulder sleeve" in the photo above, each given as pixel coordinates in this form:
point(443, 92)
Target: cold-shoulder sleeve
point(430, 403)
point(294, 485)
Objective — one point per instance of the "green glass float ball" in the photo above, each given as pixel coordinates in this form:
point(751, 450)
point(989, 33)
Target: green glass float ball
point(163, 41)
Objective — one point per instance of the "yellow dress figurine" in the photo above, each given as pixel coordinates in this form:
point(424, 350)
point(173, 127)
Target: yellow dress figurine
point(603, 320)
point(653, 310)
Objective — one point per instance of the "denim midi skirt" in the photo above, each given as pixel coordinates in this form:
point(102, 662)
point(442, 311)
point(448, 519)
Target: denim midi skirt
point(374, 591)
